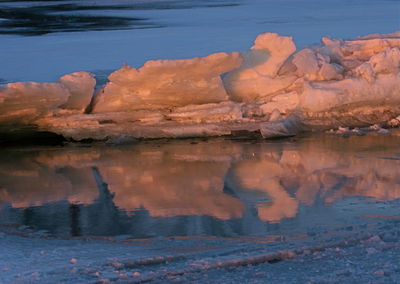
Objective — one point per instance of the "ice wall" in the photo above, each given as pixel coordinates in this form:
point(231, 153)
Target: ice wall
point(271, 89)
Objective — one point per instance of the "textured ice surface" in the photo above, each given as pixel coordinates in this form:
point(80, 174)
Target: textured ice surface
point(257, 76)
point(23, 102)
point(81, 87)
point(270, 89)
point(167, 83)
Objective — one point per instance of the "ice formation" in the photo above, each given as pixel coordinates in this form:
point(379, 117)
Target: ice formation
point(270, 89)
point(167, 83)
point(81, 87)
point(24, 102)
point(258, 75)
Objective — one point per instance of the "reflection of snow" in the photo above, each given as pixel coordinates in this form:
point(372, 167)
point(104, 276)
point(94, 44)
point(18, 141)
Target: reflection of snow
point(205, 179)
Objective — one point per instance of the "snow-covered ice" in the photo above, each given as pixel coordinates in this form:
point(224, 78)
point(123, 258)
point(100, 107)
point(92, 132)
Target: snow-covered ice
point(270, 89)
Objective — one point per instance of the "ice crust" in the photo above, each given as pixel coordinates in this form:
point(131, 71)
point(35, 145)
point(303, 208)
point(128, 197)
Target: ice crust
point(270, 89)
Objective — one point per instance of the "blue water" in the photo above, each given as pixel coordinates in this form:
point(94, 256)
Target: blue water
point(210, 187)
point(100, 36)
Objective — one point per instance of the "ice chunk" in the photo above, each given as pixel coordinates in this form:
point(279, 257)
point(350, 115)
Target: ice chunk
point(167, 83)
point(324, 96)
point(365, 71)
point(23, 102)
point(387, 61)
point(275, 49)
point(330, 72)
point(81, 87)
point(352, 53)
point(351, 102)
point(332, 49)
point(257, 76)
point(314, 66)
point(306, 62)
point(364, 49)
point(395, 122)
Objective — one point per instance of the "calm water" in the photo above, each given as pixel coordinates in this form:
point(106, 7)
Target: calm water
point(194, 187)
point(43, 40)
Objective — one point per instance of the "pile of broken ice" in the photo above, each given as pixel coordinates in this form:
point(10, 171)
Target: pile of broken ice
point(270, 89)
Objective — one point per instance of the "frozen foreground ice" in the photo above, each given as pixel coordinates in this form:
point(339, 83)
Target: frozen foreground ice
point(364, 255)
point(272, 90)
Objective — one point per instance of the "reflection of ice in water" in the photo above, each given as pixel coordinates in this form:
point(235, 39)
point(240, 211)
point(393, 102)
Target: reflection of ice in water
point(221, 179)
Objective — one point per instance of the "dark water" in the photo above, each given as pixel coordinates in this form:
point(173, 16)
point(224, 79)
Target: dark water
point(193, 187)
point(35, 18)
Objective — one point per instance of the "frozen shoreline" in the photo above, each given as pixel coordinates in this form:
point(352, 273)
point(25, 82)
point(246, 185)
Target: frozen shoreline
point(367, 252)
point(271, 89)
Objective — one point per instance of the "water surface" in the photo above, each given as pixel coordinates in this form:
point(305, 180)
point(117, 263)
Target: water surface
point(43, 40)
point(210, 187)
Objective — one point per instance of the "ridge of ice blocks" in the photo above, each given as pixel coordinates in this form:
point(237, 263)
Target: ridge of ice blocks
point(271, 90)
